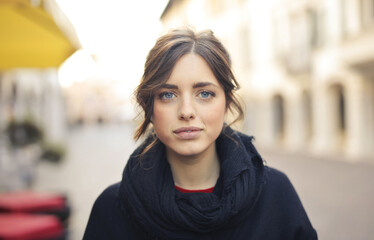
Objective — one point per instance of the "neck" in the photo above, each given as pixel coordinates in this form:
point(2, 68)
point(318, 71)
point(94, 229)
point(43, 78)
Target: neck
point(197, 171)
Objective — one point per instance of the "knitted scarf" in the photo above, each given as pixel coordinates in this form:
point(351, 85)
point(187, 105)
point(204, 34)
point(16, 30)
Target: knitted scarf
point(161, 212)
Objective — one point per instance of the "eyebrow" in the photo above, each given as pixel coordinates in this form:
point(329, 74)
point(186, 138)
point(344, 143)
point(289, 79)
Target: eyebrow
point(196, 85)
point(169, 86)
point(203, 84)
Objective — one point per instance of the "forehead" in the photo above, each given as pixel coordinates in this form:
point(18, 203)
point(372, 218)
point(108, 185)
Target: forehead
point(191, 68)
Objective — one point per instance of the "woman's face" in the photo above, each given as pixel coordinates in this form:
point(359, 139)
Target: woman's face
point(189, 110)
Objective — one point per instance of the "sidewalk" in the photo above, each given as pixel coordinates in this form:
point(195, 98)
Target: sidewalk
point(338, 196)
point(96, 158)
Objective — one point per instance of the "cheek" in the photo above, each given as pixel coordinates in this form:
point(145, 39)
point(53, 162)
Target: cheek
point(216, 113)
point(160, 117)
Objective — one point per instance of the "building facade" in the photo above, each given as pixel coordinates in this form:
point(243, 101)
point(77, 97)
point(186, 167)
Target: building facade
point(32, 109)
point(306, 69)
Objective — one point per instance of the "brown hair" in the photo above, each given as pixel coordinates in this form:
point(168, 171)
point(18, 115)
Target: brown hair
point(160, 62)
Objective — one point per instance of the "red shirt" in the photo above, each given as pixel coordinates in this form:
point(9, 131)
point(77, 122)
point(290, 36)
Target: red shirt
point(208, 190)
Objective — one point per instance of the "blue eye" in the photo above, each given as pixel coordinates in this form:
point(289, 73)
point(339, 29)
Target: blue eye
point(167, 95)
point(206, 94)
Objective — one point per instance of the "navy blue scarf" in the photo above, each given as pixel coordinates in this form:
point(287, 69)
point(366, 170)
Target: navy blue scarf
point(161, 212)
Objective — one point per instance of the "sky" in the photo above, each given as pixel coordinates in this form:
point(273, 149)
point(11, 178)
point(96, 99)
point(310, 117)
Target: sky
point(115, 35)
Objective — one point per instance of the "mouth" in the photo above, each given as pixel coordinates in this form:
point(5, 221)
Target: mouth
point(187, 133)
point(187, 129)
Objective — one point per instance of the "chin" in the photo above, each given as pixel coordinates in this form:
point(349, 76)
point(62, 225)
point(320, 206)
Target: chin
point(189, 149)
point(189, 153)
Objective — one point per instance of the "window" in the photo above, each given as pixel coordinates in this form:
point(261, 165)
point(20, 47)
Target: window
point(300, 35)
point(14, 92)
point(367, 12)
point(341, 110)
point(281, 38)
point(1, 92)
point(278, 119)
point(317, 22)
point(245, 46)
point(307, 114)
point(343, 18)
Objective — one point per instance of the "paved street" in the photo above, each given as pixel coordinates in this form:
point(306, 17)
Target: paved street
point(97, 156)
point(338, 196)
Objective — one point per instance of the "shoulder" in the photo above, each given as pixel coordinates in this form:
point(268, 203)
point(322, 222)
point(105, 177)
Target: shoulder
point(105, 201)
point(281, 203)
point(278, 185)
point(276, 177)
point(107, 220)
point(108, 196)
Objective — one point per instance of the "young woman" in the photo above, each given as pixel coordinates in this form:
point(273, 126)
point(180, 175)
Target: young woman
point(194, 177)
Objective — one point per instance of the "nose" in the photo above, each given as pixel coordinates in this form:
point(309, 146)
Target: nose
point(186, 110)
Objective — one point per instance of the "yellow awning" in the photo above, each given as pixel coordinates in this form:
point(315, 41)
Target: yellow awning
point(29, 37)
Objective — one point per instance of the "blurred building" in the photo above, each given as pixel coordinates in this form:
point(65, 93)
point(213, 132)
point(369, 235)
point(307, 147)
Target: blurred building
point(33, 94)
point(35, 38)
point(306, 68)
point(96, 102)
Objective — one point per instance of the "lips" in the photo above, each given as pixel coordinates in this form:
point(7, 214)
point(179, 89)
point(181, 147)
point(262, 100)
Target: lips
point(187, 133)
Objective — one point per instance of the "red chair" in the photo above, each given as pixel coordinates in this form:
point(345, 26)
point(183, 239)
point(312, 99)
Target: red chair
point(20, 226)
point(32, 202)
point(33, 216)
